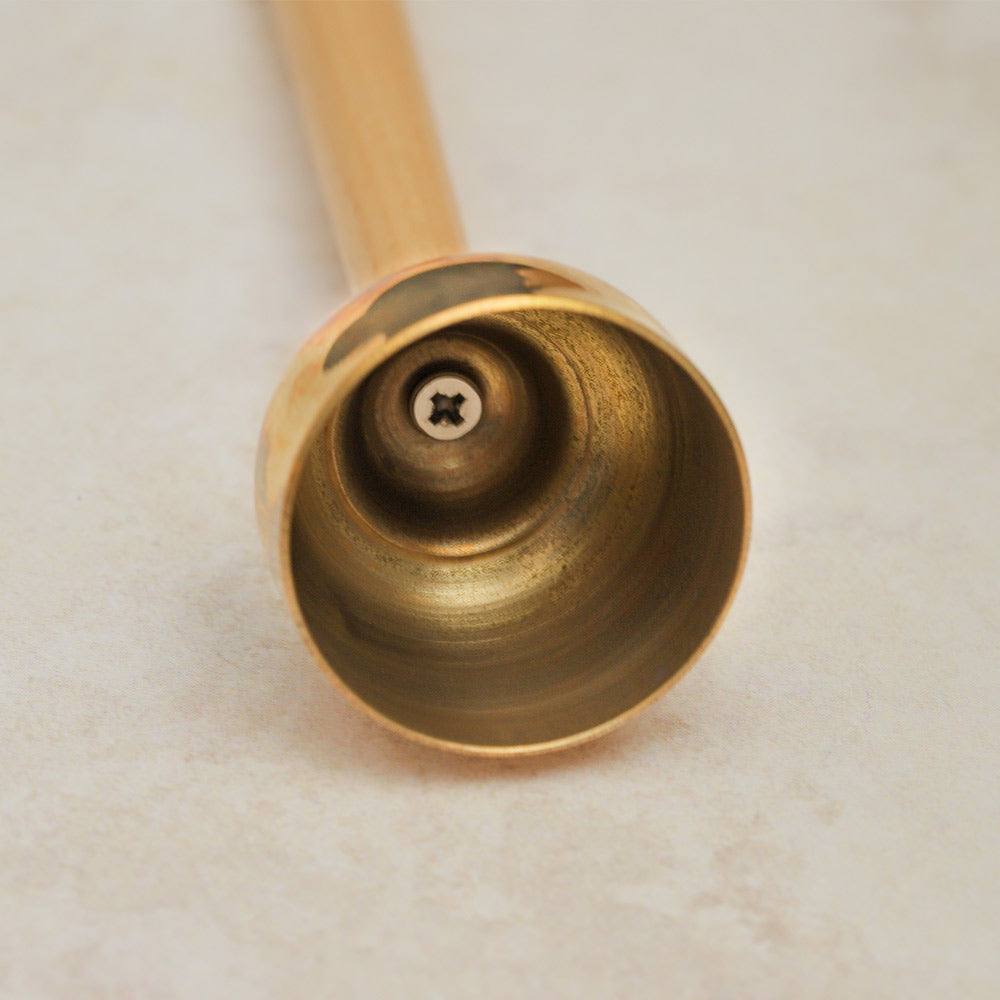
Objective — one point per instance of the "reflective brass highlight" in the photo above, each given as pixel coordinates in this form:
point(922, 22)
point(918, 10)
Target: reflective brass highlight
point(535, 581)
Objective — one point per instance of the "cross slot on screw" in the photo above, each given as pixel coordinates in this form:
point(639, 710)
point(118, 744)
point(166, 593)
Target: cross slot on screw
point(446, 406)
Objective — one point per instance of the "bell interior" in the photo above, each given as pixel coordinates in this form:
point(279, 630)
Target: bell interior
point(546, 572)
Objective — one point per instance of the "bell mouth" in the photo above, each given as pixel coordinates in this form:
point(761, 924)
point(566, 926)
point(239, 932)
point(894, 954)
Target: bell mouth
point(535, 579)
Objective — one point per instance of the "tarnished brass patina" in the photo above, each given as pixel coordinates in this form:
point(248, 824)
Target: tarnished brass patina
point(533, 582)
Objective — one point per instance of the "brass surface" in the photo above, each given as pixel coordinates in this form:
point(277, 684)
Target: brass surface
point(533, 582)
point(377, 154)
point(528, 583)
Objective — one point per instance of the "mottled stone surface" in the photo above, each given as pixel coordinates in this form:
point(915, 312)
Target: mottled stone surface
point(808, 196)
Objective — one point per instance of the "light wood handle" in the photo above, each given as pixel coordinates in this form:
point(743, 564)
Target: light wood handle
point(376, 149)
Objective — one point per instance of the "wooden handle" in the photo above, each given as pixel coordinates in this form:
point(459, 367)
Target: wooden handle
point(378, 155)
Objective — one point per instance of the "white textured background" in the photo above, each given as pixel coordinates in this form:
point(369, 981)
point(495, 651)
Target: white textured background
point(809, 197)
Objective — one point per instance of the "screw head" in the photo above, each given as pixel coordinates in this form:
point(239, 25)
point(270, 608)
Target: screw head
point(446, 406)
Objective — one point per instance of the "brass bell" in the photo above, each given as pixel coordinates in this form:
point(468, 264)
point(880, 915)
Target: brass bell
point(505, 510)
